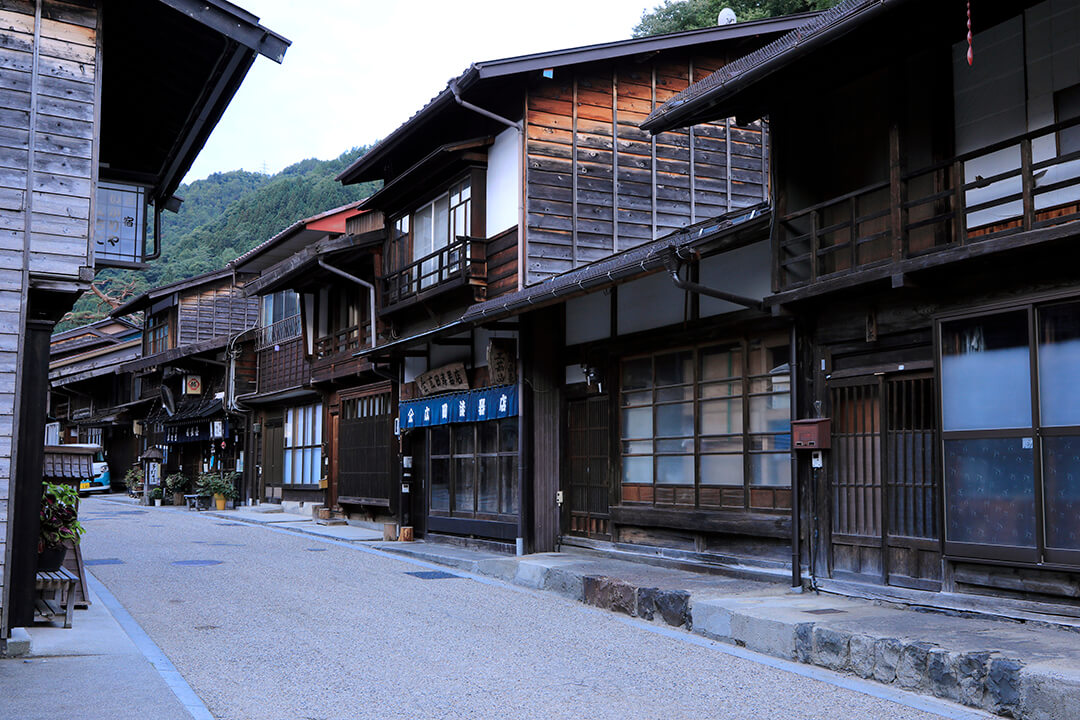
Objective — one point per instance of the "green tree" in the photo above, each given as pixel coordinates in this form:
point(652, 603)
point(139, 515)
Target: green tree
point(678, 15)
point(222, 217)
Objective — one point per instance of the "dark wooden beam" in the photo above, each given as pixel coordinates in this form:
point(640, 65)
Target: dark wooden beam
point(733, 523)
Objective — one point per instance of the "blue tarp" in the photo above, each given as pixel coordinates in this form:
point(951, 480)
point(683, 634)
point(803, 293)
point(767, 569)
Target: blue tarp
point(470, 406)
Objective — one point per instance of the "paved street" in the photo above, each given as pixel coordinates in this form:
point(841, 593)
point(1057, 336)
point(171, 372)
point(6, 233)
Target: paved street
point(269, 624)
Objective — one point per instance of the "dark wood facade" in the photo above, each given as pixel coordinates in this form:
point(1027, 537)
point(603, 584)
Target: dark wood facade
point(938, 244)
point(596, 184)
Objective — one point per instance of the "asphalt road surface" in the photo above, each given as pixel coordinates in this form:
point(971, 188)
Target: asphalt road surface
point(269, 624)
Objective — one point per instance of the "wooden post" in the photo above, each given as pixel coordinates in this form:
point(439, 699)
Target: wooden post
point(1028, 180)
point(896, 195)
point(959, 204)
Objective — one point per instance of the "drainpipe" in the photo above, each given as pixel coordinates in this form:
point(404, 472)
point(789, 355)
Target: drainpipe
point(796, 525)
point(673, 264)
point(481, 111)
point(363, 283)
point(520, 127)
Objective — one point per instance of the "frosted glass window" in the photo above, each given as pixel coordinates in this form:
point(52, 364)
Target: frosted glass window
point(990, 491)
point(722, 470)
point(985, 372)
point(1059, 365)
point(683, 421)
point(303, 445)
point(1061, 491)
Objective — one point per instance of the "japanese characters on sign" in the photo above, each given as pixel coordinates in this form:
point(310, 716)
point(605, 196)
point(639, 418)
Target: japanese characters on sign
point(474, 406)
point(502, 361)
point(444, 379)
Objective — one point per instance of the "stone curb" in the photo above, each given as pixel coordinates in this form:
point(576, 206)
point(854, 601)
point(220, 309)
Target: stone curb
point(984, 679)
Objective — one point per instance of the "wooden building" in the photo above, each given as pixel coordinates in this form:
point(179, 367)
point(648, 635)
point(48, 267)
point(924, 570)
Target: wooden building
point(324, 416)
point(187, 370)
point(525, 298)
point(90, 401)
point(924, 243)
point(84, 172)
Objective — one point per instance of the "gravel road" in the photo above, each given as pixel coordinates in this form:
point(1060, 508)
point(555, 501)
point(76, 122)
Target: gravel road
point(265, 624)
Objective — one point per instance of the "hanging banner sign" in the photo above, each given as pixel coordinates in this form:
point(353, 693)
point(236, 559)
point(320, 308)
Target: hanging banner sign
point(473, 406)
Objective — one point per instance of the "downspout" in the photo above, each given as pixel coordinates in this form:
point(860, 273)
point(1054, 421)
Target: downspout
point(673, 263)
point(520, 127)
point(796, 522)
point(363, 283)
point(523, 424)
point(233, 404)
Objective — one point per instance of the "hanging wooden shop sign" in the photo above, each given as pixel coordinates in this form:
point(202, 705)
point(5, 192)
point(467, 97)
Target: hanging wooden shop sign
point(444, 379)
point(502, 361)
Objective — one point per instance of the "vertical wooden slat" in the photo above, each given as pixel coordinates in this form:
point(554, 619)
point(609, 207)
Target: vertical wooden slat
point(1028, 183)
point(574, 174)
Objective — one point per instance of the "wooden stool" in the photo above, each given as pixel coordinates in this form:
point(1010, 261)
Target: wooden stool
point(56, 580)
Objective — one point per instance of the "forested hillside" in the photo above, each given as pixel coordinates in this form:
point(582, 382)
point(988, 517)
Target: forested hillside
point(223, 216)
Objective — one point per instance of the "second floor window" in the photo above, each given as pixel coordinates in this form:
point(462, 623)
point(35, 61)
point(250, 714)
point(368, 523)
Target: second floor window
point(280, 317)
point(431, 229)
point(158, 336)
point(342, 325)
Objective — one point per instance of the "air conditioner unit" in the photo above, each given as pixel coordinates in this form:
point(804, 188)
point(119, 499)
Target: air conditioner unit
point(193, 385)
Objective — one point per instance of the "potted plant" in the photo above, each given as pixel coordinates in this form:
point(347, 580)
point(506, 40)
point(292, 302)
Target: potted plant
point(177, 484)
point(59, 523)
point(156, 494)
point(221, 487)
point(134, 480)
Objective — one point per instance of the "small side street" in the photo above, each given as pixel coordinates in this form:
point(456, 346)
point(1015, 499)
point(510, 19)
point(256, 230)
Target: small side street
point(271, 615)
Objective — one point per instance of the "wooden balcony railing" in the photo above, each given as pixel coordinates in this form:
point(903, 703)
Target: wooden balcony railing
point(994, 191)
point(346, 340)
point(278, 332)
point(463, 261)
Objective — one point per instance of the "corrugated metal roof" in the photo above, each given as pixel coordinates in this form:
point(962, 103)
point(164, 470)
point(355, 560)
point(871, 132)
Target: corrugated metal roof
point(759, 63)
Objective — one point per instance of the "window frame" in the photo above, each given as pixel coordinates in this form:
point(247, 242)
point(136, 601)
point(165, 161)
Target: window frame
point(508, 509)
point(1041, 554)
point(159, 332)
point(300, 437)
point(745, 443)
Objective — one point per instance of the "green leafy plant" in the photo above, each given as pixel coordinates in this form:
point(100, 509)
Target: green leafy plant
point(217, 484)
point(59, 516)
point(134, 479)
point(177, 483)
point(156, 494)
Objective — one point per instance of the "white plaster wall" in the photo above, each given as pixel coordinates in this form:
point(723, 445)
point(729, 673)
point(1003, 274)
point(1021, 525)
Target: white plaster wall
point(746, 271)
point(503, 182)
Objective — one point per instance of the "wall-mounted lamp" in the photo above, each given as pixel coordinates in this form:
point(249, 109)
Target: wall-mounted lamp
point(592, 375)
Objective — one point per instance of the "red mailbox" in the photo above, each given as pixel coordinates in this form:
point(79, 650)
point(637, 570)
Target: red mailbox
point(812, 434)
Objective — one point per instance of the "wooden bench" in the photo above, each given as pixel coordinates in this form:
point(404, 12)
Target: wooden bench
point(197, 502)
point(57, 581)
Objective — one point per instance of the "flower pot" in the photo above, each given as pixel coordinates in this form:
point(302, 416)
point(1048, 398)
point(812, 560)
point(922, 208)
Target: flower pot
point(178, 498)
point(50, 559)
point(219, 500)
point(157, 502)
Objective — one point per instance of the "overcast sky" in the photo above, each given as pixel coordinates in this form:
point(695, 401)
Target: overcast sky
point(359, 68)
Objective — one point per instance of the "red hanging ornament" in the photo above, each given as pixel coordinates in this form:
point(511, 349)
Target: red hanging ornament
point(971, 50)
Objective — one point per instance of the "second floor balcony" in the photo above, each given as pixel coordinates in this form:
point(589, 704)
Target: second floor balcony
point(462, 262)
point(934, 214)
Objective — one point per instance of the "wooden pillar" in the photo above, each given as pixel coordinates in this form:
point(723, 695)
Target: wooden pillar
point(542, 336)
point(25, 503)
